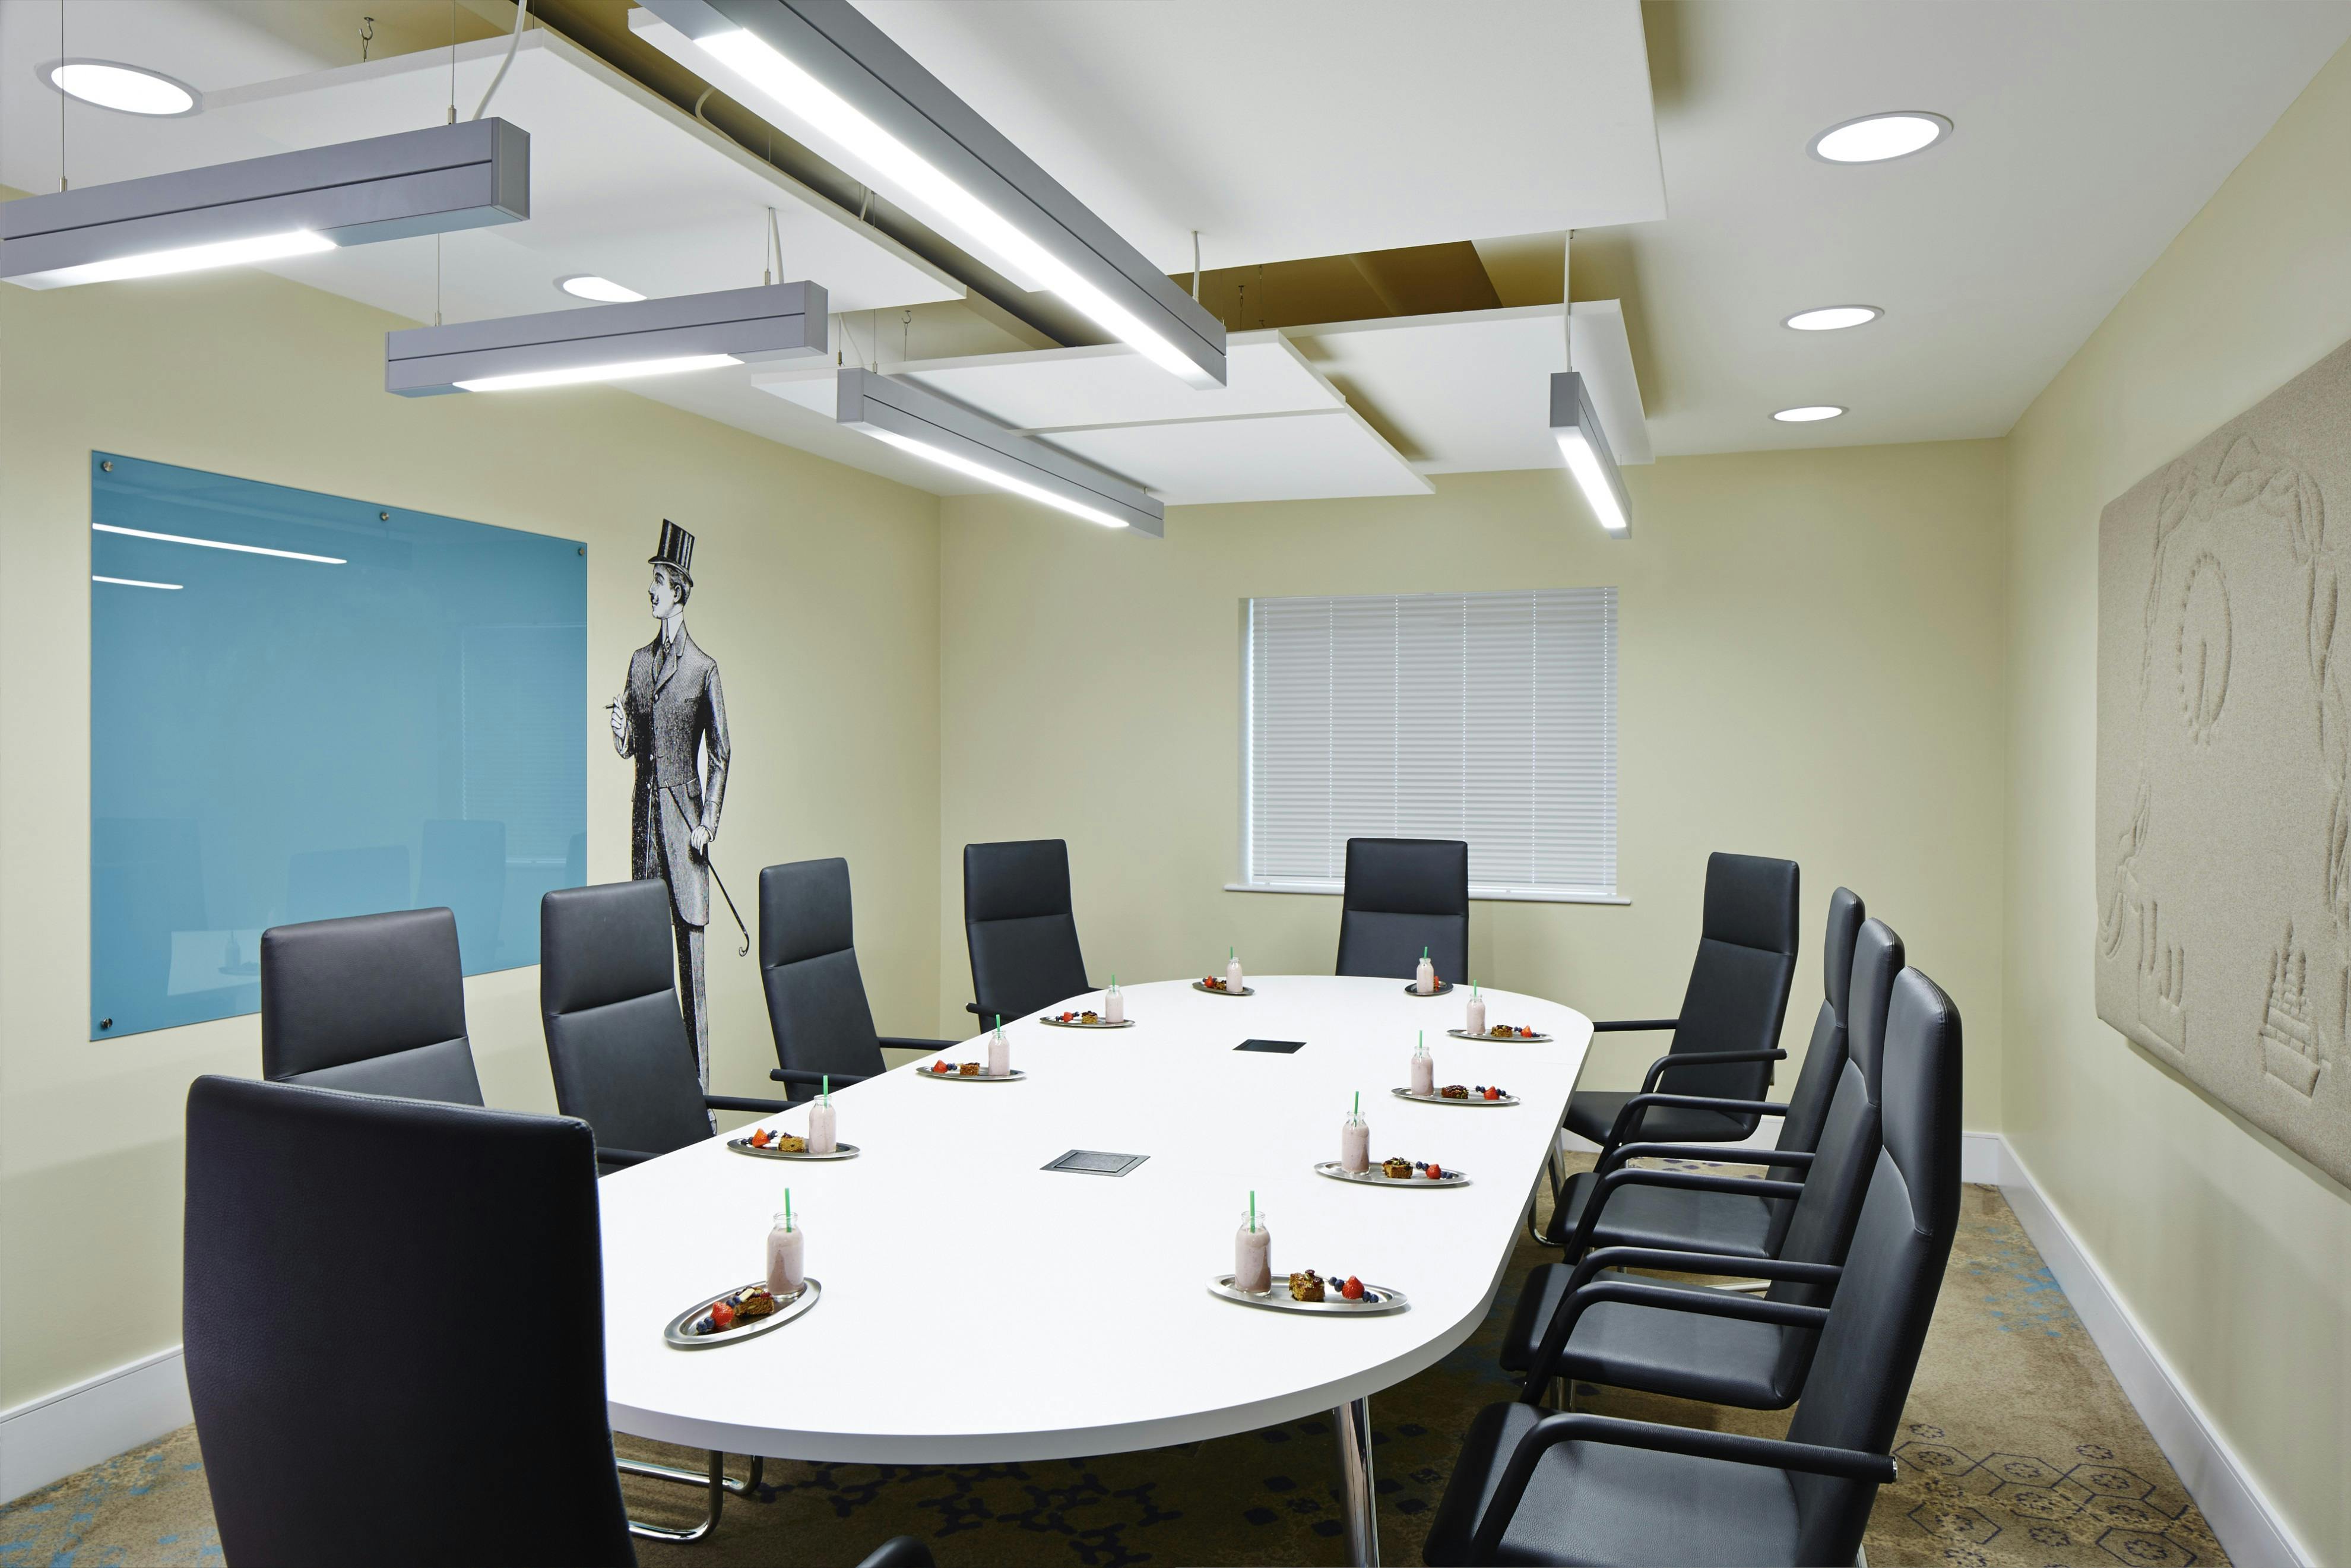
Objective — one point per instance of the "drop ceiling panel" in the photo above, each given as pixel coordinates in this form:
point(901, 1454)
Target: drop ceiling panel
point(1114, 385)
point(1471, 391)
point(1305, 128)
point(1276, 457)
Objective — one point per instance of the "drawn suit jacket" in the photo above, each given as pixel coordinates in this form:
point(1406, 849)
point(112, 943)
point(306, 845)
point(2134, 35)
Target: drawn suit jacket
point(675, 713)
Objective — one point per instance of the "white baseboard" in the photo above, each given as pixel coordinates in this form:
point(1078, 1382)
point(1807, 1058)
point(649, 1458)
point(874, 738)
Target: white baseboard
point(1982, 1158)
point(48, 1439)
point(2242, 1516)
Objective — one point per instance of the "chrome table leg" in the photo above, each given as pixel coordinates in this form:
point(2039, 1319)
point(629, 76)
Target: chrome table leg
point(1353, 1426)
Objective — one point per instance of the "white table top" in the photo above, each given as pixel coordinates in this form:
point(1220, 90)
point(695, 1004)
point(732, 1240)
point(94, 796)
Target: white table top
point(978, 1308)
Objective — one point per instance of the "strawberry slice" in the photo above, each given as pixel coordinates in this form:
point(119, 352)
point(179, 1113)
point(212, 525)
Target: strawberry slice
point(1352, 1290)
point(722, 1316)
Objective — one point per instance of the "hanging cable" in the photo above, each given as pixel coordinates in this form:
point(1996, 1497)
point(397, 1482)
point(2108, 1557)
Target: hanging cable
point(522, 12)
point(61, 99)
point(453, 62)
point(775, 242)
point(1195, 267)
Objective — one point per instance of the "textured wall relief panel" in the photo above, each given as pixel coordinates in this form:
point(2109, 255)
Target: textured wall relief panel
point(2224, 928)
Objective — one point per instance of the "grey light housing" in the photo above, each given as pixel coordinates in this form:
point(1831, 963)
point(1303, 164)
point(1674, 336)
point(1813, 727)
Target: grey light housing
point(942, 431)
point(1061, 245)
point(1576, 427)
point(609, 342)
point(437, 180)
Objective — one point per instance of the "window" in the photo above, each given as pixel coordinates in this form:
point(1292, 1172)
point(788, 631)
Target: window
point(1484, 716)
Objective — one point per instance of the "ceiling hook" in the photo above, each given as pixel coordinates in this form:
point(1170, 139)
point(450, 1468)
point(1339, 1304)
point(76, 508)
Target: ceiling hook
point(367, 35)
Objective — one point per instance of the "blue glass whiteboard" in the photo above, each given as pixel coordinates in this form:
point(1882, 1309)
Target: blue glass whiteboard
point(303, 707)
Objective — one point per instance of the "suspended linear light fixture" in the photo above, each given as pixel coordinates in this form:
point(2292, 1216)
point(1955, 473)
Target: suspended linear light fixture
point(841, 83)
point(940, 430)
point(1576, 426)
point(609, 342)
point(435, 181)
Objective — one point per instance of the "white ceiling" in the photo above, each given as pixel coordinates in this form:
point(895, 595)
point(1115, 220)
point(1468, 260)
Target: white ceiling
point(2087, 135)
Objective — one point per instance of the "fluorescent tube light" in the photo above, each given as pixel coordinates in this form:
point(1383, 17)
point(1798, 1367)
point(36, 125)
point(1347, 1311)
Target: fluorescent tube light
point(216, 544)
point(134, 582)
point(833, 72)
point(187, 258)
point(609, 342)
point(940, 430)
point(132, 90)
point(434, 181)
point(626, 370)
point(1002, 481)
point(1576, 427)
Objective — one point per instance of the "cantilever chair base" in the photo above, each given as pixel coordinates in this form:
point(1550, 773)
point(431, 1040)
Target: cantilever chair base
point(717, 1483)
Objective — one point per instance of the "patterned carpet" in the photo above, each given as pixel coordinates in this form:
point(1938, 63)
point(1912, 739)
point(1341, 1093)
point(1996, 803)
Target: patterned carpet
point(2017, 1449)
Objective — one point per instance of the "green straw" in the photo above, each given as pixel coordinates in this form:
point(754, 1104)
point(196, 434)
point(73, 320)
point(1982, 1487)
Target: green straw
point(1252, 1210)
point(1359, 1102)
point(788, 1208)
point(828, 1088)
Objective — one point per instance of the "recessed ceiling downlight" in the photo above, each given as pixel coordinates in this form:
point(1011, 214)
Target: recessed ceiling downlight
point(604, 290)
point(1833, 318)
point(132, 90)
point(1876, 137)
point(1808, 413)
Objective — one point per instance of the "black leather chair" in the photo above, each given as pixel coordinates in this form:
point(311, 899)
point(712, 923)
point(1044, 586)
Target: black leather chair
point(1016, 919)
point(616, 1040)
point(1759, 1365)
point(1619, 1204)
point(1728, 1033)
point(337, 1256)
point(816, 996)
point(1403, 896)
point(1535, 1486)
point(374, 1004)
point(340, 1258)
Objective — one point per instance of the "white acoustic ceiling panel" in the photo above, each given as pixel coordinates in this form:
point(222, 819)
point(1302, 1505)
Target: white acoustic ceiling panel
point(1113, 385)
point(1272, 457)
point(1471, 391)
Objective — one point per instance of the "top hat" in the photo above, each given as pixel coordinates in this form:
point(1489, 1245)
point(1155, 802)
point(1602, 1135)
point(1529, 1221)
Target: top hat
point(676, 552)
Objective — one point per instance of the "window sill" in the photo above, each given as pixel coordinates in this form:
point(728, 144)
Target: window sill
point(1476, 895)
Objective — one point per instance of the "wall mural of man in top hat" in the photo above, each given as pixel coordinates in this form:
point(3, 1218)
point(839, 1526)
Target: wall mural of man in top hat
point(672, 720)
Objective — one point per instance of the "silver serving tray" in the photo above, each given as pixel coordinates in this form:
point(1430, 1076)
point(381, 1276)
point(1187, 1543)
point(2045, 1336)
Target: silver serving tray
point(1378, 1300)
point(1412, 989)
point(1376, 1177)
point(1500, 1038)
point(840, 1152)
point(1074, 1023)
point(1440, 1100)
point(785, 1313)
point(1245, 990)
point(1012, 1077)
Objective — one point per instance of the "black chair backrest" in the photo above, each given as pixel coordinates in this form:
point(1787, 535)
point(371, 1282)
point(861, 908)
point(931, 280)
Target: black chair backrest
point(346, 1256)
point(616, 1041)
point(1878, 959)
point(1816, 1081)
point(1877, 1323)
point(1739, 985)
point(1404, 895)
point(374, 1004)
point(1818, 1227)
point(1017, 921)
point(816, 996)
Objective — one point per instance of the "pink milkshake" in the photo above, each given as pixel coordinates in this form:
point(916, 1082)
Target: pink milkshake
point(1253, 1253)
point(822, 1136)
point(1424, 1068)
point(1356, 1144)
point(999, 1053)
point(787, 1245)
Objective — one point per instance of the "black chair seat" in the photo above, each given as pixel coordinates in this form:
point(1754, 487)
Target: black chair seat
point(1721, 1361)
point(1594, 1503)
point(1675, 1219)
point(1593, 1112)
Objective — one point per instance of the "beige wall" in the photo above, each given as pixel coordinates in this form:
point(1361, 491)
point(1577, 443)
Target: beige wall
point(818, 594)
point(2234, 1254)
point(1810, 652)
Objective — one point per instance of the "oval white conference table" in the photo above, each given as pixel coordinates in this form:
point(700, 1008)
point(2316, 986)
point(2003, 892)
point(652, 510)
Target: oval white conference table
point(978, 1308)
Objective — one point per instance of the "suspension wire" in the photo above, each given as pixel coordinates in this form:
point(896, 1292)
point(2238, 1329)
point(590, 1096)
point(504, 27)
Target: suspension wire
point(62, 100)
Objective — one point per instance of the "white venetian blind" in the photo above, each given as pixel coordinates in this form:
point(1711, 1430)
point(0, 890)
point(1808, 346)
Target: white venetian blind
point(1484, 716)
